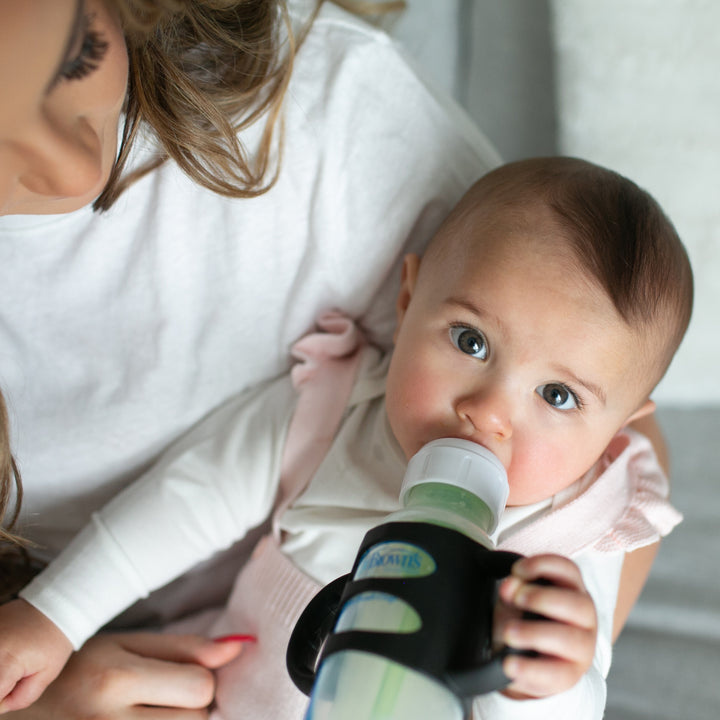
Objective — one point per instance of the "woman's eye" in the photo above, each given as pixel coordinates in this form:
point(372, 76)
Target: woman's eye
point(87, 58)
point(471, 342)
point(558, 396)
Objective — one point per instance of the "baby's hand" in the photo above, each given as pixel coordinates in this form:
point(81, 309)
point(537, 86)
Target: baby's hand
point(564, 637)
point(33, 651)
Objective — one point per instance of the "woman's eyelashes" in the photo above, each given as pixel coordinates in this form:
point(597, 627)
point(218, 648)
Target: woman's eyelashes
point(87, 58)
point(559, 396)
point(469, 341)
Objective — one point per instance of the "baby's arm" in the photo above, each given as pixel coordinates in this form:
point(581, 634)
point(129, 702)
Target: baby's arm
point(33, 651)
point(205, 493)
point(635, 570)
point(637, 564)
point(564, 637)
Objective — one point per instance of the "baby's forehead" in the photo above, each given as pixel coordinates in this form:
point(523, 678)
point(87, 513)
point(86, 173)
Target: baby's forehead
point(500, 232)
point(499, 244)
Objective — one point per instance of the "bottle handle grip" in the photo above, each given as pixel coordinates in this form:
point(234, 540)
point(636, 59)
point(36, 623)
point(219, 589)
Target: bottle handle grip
point(316, 623)
point(464, 569)
point(311, 630)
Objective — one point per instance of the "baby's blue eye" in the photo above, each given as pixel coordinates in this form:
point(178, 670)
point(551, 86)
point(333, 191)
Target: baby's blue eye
point(470, 341)
point(558, 396)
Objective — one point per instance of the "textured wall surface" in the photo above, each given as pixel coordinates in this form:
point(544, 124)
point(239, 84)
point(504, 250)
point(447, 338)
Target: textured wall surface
point(638, 89)
point(496, 59)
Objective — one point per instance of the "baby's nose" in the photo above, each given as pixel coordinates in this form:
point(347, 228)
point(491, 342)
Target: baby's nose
point(488, 410)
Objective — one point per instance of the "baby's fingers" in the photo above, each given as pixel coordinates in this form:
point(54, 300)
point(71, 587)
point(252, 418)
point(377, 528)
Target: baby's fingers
point(539, 677)
point(565, 605)
point(556, 631)
point(554, 640)
point(551, 586)
point(556, 569)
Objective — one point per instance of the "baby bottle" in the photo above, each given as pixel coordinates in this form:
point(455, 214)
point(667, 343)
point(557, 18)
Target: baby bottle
point(408, 633)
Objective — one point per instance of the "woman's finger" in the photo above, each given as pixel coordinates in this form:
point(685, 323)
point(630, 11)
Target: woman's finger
point(161, 683)
point(134, 676)
point(157, 713)
point(172, 671)
point(181, 648)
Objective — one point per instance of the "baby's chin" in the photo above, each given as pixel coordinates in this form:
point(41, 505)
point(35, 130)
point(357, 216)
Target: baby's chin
point(528, 492)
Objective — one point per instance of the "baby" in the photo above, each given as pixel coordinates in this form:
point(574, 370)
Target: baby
point(538, 322)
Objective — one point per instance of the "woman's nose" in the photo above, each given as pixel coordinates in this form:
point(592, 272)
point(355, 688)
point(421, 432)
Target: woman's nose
point(60, 160)
point(488, 410)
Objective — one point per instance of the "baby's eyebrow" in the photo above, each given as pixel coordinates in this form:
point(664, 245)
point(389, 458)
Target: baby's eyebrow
point(70, 43)
point(594, 388)
point(477, 311)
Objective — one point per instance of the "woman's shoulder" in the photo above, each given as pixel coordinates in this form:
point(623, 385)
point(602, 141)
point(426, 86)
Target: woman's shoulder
point(339, 45)
point(331, 19)
point(352, 77)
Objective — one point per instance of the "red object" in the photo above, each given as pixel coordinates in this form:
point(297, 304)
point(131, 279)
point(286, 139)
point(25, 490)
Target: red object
point(236, 638)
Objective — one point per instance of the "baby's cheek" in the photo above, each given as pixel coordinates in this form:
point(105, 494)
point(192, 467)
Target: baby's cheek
point(407, 389)
point(536, 475)
point(412, 412)
point(409, 411)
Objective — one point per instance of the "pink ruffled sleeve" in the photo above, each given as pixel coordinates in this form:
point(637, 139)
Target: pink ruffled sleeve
point(648, 515)
point(624, 508)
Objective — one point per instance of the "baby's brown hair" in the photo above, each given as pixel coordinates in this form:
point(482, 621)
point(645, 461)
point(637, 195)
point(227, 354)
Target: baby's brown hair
point(616, 231)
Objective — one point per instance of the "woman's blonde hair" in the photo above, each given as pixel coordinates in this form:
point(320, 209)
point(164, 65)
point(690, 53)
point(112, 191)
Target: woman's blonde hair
point(200, 72)
point(16, 567)
point(10, 481)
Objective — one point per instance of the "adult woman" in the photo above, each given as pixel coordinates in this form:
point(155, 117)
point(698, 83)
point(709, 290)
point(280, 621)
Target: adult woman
point(121, 329)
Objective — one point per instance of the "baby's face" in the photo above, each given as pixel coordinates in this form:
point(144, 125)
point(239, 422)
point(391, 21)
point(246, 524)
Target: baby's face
point(508, 344)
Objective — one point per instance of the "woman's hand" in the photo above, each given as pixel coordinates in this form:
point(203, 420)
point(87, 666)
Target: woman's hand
point(134, 676)
point(563, 638)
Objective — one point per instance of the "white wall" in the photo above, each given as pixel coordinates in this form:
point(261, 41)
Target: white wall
point(638, 90)
point(496, 58)
point(429, 31)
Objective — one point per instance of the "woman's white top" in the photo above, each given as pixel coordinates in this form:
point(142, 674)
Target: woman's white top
point(119, 331)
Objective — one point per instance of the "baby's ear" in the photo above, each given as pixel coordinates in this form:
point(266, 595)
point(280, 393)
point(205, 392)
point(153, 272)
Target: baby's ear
point(411, 265)
point(647, 408)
